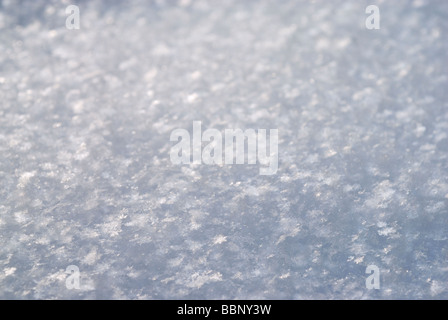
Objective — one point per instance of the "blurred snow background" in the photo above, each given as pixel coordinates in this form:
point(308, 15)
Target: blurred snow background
point(86, 179)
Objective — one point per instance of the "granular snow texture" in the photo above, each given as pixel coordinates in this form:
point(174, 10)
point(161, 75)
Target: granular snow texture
point(86, 177)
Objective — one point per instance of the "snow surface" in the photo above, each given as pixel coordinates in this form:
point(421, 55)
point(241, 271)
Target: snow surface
point(86, 178)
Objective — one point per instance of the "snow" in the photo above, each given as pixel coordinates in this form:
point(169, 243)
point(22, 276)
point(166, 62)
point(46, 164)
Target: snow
point(85, 171)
